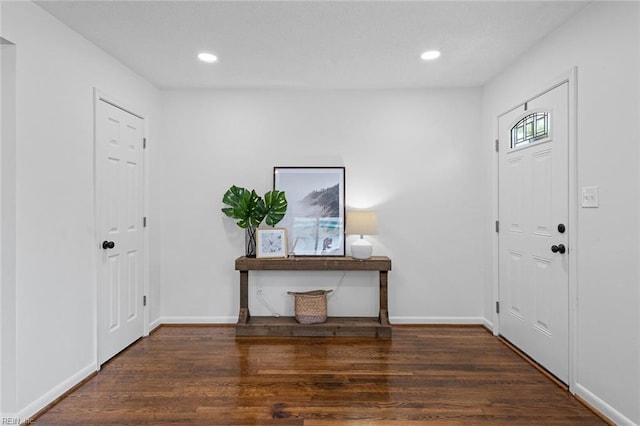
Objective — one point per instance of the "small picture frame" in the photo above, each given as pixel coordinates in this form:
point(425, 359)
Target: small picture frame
point(271, 242)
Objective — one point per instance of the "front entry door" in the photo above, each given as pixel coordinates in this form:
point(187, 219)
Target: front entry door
point(534, 228)
point(119, 189)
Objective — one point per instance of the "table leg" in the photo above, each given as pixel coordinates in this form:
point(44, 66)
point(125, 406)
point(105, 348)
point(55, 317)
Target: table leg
point(244, 315)
point(384, 297)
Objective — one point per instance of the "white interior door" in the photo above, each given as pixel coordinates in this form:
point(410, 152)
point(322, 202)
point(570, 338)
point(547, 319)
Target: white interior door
point(119, 189)
point(534, 228)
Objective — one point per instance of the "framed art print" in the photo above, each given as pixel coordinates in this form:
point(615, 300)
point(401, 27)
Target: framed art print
point(271, 242)
point(316, 211)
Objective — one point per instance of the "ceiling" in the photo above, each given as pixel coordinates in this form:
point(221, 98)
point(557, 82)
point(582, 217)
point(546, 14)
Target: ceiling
point(314, 44)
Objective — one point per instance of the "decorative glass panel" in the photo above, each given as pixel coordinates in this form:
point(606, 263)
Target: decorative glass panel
point(530, 129)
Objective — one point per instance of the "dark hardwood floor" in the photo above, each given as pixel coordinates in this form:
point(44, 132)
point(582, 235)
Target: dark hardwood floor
point(425, 374)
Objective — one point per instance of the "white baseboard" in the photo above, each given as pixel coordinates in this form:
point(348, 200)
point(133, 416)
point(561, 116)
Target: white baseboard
point(487, 324)
point(155, 324)
point(438, 320)
point(608, 411)
point(393, 320)
point(30, 410)
point(198, 320)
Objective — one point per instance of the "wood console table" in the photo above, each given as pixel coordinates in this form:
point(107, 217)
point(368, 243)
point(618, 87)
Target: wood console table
point(334, 326)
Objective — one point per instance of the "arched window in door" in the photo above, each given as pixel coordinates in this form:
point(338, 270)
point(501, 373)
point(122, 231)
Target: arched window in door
point(532, 128)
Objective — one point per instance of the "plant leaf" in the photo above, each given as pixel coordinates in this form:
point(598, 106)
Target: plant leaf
point(275, 204)
point(250, 210)
point(243, 206)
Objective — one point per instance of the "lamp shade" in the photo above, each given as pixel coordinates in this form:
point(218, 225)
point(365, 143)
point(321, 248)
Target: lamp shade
point(362, 223)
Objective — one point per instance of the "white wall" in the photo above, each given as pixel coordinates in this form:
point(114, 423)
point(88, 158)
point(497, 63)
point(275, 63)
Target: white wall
point(7, 220)
point(412, 155)
point(55, 299)
point(603, 41)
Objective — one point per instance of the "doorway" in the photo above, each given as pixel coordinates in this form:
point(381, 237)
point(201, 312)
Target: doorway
point(534, 235)
point(119, 186)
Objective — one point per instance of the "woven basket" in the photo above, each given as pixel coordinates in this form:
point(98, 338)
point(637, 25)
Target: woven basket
point(311, 306)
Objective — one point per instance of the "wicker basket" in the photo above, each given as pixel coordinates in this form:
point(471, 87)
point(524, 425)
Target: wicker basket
point(311, 306)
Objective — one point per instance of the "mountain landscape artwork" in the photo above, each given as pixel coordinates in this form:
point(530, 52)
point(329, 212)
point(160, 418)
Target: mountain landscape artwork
point(315, 218)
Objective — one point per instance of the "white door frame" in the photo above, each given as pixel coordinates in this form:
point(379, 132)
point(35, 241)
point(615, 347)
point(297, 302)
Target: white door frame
point(569, 77)
point(100, 96)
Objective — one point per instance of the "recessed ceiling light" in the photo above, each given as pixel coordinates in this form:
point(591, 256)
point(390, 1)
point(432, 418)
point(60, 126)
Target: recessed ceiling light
point(430, 54)
point(207, 57)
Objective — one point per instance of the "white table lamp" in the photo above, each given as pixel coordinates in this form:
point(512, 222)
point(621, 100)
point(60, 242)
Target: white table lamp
point(362, 223)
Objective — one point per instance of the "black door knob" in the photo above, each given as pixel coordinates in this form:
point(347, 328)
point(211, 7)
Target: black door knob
point(561, 228)
point(108, 244)
point(560, 248)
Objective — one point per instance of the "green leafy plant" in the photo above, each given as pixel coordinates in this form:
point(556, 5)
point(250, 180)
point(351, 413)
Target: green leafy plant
point(249, 209)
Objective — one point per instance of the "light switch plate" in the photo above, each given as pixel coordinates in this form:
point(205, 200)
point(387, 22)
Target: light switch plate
point(590, 197)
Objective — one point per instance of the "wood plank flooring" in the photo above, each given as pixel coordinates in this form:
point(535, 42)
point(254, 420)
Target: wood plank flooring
point(425, 374)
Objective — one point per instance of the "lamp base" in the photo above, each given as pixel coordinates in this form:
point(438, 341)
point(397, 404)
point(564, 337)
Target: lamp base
point(361, 249)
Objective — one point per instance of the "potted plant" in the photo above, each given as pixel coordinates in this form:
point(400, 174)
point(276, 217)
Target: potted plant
point(249, 209)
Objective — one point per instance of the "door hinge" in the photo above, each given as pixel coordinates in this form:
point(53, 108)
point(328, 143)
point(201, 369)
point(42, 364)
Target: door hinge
point(144, 300)
point(497, 226)
point(144, 143)
point(497, 307)
point(144, 222)
point(497, 145)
